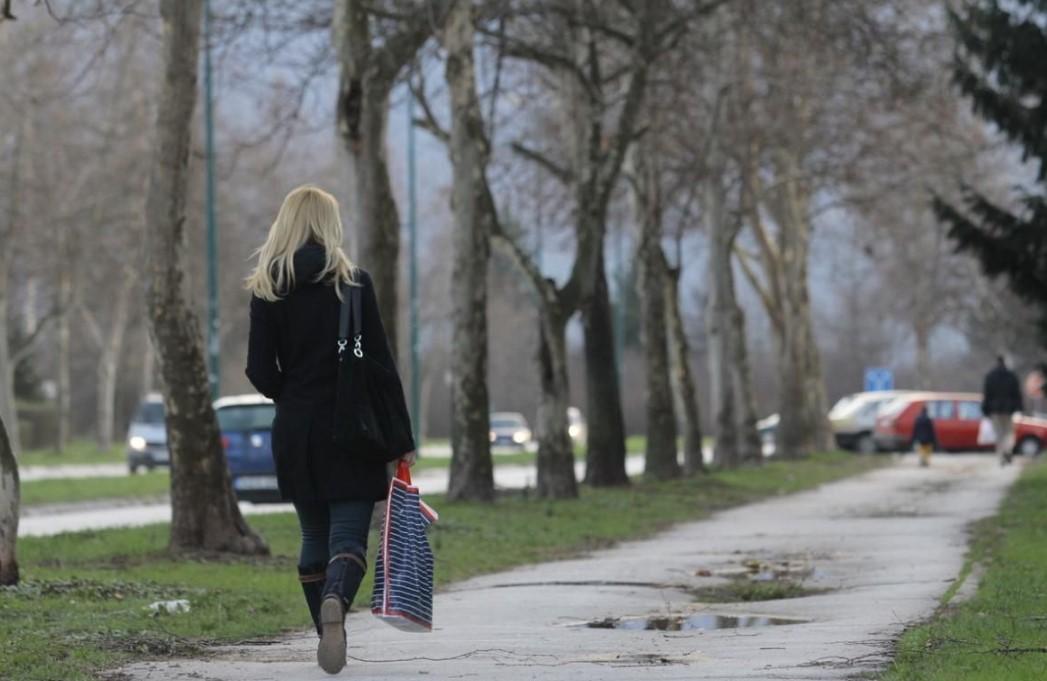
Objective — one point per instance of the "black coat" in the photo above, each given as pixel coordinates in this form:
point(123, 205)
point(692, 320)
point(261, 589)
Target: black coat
point(923, 430)
point(1002, 394)
point(292, 358)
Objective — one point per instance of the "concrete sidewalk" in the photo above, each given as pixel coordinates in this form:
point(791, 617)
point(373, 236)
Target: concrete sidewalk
point(883, 546)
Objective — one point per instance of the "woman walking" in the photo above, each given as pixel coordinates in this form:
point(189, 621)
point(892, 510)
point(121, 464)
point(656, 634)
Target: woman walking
point(292, 358)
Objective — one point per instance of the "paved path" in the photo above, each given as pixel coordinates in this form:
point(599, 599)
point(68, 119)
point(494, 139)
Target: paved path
point(54, 519)
point(885, 546)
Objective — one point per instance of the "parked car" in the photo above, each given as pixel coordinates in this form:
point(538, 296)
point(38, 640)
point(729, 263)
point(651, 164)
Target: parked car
point(576, 425)
point(509, 429)
point(147, 436)
point(956, 419)
point(246, 422)
point(853, 419)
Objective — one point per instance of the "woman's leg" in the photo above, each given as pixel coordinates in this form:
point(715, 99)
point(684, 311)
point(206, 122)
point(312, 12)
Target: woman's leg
point(347, 545)
point(314, 520)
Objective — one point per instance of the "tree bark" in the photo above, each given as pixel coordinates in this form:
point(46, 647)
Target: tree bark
point(556, 476)
point(661, 460)
point(737, 441)
point(605, 442)
point(682, 378)
point(8, 409)
point(472, 470)
point(110, 347)
point(803, 410)
point(63, 384)
point(204, 511)
point(9, 502)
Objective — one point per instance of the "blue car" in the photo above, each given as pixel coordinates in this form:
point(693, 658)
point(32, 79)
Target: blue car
point(246, 422)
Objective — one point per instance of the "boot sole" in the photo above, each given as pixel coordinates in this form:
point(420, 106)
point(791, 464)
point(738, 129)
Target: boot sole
point(330, 654)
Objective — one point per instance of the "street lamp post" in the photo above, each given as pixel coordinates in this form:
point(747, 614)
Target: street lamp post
point(213, 343)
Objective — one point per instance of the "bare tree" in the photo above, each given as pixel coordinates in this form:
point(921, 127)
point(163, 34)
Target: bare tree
point(204, 510)
point(661, 456)
point(370, 66)
point(472, 471)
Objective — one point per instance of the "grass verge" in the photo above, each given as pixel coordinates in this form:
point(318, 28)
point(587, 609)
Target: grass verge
point(83, 605)
point(1001, 632)
point(76, 453)
point(71, 490)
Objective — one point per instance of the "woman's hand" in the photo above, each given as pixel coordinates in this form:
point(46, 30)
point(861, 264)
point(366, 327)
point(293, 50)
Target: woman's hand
point(410, 458)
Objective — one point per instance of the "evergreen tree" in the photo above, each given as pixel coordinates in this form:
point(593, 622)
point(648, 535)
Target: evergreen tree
point(1001, 64)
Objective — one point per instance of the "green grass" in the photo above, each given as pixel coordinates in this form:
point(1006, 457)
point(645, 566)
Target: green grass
point(83, 604)
point(68, 490)
point(78, 452)
point(1001, 632)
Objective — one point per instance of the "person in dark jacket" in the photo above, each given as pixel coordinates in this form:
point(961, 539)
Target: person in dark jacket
point(923, 436)
point(292, 358)
point(1001, 400)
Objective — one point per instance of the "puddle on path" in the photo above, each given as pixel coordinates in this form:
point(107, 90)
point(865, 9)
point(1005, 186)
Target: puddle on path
point(695, 622)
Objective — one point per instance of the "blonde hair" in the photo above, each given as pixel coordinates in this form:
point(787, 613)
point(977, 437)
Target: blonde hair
point(308, 214)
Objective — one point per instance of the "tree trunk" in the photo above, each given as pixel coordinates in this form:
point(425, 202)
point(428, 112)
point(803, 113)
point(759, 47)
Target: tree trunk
point(731, 388)
point(109, 364)
point(472, 471)
point(368, 74)
point(605, 443)
point(556, 477)
point(803, 411)
point(8, 409)
point(204, 511)
point(661, 460)
point(63, 384)
point(9, 501)
point(682, 379)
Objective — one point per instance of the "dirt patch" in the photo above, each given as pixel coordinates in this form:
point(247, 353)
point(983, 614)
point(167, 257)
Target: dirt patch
point(742, 590)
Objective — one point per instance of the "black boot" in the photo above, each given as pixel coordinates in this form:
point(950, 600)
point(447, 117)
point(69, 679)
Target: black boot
point(344, 574)
point(312, 578)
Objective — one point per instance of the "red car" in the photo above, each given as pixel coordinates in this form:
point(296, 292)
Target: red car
point(956, 418)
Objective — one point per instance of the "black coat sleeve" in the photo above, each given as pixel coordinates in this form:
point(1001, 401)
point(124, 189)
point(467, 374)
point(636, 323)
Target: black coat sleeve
point(263, 369)
point(376, 345)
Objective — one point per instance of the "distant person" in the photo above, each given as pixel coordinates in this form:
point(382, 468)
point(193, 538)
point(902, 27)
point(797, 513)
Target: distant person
point(292, 358)
point(1002, 399)
point(924, 437)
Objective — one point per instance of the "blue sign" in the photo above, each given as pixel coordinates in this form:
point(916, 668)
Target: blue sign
point(878, 378)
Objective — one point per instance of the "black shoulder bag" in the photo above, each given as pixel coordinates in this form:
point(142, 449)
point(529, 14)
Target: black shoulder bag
point(371, 417)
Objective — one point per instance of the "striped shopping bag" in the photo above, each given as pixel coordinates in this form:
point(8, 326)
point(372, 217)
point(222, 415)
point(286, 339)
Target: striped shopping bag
point(403, 574)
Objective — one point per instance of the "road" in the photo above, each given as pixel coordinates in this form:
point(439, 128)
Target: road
point(879, 549)
point(96, 516)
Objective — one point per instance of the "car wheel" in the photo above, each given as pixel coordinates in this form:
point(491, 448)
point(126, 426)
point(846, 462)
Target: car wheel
point(1029, 446)
point(866, 444)
point(132, 469)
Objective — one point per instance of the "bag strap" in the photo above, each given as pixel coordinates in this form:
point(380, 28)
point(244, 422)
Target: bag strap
point(356, 299)
point(343, 320)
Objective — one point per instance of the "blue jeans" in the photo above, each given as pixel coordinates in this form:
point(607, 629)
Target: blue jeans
point(332, 527)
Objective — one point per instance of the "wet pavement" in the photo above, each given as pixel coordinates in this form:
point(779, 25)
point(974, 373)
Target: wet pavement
point(875, 571)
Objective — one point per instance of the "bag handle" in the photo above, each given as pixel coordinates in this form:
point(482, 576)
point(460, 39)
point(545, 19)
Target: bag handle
point(403, 471)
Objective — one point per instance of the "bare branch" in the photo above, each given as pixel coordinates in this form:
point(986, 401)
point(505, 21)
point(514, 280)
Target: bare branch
point(555, 169)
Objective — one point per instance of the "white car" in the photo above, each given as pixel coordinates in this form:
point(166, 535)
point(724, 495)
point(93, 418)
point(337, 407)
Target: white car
point(853, 418)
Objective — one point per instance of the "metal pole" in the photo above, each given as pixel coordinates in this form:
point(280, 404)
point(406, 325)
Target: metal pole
point(412, 228)
point(213, 347)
